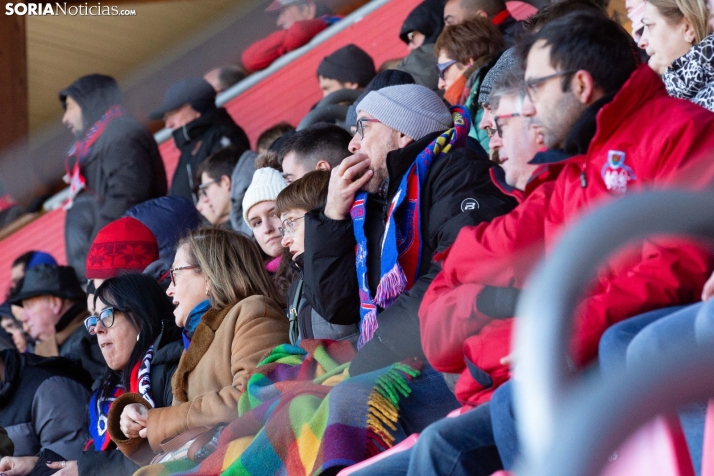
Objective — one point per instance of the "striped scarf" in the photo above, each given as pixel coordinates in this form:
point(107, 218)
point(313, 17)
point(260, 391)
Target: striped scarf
point(99, 407)
point(401, 244)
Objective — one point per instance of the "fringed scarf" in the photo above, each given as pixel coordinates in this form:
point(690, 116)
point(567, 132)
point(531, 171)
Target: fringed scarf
point(81, 150)
point(99, 407)
point(401, 244)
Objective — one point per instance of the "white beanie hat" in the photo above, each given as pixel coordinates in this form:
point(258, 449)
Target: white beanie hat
point(267, 183)
point(411, 109)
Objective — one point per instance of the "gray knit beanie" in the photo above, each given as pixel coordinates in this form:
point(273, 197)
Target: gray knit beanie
point(507, 60)
point(411, 109)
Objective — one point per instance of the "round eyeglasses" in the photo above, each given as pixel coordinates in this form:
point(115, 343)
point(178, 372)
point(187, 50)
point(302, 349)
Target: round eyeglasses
point(105, 316)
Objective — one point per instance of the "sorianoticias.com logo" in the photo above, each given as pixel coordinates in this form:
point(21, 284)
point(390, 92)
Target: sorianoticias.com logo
point(57, 8)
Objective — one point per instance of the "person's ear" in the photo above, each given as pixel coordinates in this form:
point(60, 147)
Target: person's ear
point(56, 305)
point(481, 13)
point(583, 87)
point(349, 85)
point(404, 140)
point(226, 181)
point(689, 34)
point(323, 165)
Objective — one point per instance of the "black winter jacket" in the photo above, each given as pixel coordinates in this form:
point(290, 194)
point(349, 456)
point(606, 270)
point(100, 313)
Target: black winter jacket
point(305, 322)
point(124, 168)
point(200, 138)
point(43, 404)
point(458, 192)
point(168, 349)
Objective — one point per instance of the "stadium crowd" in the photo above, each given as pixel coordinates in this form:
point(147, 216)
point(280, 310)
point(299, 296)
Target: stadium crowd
point(351, 286)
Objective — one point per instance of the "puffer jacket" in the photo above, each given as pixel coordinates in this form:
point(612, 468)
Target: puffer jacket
point(692, 75)
point(123, 168)
point(167, 353)
point(642, 139)
point(43, 404)
point(305, 322)
point(200, 138)
point(457, 192)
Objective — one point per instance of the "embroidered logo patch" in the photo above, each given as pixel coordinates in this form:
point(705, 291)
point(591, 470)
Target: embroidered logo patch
point(469, 204)
point(615, 173)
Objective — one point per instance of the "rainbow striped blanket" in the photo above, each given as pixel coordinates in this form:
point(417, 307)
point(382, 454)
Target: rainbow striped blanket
point(294, 418)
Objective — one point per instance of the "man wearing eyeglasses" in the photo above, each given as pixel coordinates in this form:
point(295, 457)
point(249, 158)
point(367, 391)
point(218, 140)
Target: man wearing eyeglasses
point(396, 130)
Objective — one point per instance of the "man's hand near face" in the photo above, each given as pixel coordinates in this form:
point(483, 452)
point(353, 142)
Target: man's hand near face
point(345, 181)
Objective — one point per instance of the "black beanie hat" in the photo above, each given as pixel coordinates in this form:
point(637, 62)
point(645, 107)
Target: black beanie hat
point(349, 64)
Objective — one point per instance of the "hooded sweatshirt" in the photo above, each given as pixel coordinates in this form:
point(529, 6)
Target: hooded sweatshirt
point(121, 168)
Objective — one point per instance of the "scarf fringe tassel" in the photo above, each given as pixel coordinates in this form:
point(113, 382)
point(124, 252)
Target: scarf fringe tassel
point(383, 405)
point(391, 285)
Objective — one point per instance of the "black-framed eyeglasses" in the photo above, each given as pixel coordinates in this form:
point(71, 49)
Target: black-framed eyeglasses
point(533, 84)
point(289, 226)
point(172, 272)
point(105, 316)
point(202, 188)
point(360, 125)
point(498, 120)
point(442, 67)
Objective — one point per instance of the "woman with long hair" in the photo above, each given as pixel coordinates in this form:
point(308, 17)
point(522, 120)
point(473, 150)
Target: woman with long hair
point(225, 302)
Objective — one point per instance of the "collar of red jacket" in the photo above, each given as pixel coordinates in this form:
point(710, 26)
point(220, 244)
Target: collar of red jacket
point(501, 17)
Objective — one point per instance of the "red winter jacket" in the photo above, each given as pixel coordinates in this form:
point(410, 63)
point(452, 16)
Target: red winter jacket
point(643, 138)
point(262, 53)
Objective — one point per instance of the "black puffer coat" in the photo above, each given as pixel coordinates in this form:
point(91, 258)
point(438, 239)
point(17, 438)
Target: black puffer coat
point(168, 349)
point(200, 138)
point(458, 192)
point(123, 168)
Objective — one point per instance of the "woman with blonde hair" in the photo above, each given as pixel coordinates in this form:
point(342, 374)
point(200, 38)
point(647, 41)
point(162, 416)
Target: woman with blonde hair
point(677, 37)
point(225, 303)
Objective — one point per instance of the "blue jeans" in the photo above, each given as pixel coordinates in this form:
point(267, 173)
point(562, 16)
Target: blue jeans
point(458, 446)
point(504, 425)
point(612, 350)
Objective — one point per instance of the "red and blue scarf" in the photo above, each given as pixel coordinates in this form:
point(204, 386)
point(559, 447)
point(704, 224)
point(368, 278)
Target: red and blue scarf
point(81, 150)
point(401, 244)
point(99, 407)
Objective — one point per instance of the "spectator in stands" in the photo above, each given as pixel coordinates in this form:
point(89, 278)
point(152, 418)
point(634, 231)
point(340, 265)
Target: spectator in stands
point(199, 128)
point(225, 301)
point(423, 25)
point(396, 126)
point(270, 135)
point(458, 11)
point(580, 75)
point(224, 77)
point(114, 164)
point(392, 77)
point(299, 21)
point(444, 447)
point(142, 347)
point(349, 67)
point(506, 61)
point(12, 326)
point(318, 147)
point(43, 407)
point(306, 193)
point(464, 53)
point(670, 31)
point(677, 36)
point(559, 9)
point(124, 246)
point(53, 310)
point(214, 175)
point(260, 215)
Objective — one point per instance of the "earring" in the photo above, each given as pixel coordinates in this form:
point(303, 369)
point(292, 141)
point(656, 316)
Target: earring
point(137, 336)
point(206, 291)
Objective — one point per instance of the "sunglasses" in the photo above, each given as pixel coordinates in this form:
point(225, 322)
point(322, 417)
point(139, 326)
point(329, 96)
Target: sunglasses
point(442, 67)
point(106, 317)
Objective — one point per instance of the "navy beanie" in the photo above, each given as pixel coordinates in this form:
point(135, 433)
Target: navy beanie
point(349, 64)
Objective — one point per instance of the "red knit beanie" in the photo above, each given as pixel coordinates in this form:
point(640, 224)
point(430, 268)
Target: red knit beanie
point(122, 246)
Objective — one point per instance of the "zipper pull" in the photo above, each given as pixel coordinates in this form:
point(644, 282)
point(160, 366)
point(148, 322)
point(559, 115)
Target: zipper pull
point(583, 182)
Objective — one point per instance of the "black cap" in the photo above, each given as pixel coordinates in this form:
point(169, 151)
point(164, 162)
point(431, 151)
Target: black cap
point(46, 279)
point(194, 91)
point(349, 64)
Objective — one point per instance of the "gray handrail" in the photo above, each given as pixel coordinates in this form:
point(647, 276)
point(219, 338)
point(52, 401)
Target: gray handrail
point(546, 390)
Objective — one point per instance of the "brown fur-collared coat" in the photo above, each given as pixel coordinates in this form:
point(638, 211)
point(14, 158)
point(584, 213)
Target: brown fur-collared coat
point(211, 376)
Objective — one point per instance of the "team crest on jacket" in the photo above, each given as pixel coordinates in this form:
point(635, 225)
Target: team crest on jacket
point(615, 173)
